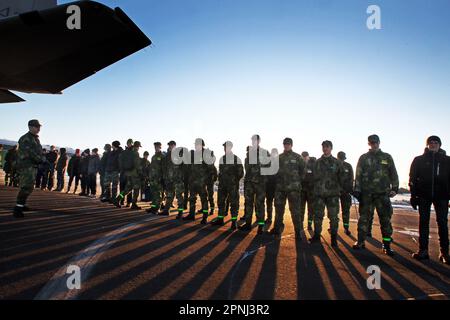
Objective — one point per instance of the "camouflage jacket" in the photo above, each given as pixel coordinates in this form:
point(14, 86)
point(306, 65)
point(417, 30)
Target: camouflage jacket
point(29, 153)
point(171, 171)
point(156, 166)
point(230, 173)
point(199, 170)
point(137, 169)
point(347, 184)
point(376, 173)
point(253, 170)
point(290, 172)
point(308, 175)
point(328, 177)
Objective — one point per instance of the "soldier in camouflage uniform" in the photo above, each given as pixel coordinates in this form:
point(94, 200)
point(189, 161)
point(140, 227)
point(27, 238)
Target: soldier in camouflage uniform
point(103, 161)
point(270, 191)
point(210, 188)
point(156, 177)
point(288, 187)
point(376, 181)
point(112, 170)
point(29, 156)
point(199, 172)
point(231, 172)
point(328, 179)
point(255, 185)
point(347, 188)
point(130, 165)
point(307, 196)
point(145, 178)
point(173, 176)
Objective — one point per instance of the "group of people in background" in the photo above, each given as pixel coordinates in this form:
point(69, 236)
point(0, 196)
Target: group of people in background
point(300, 180)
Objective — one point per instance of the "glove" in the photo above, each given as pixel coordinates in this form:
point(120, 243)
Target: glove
point(414, 202)
point(357, 195)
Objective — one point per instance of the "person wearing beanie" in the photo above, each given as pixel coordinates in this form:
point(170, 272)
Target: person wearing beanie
point(73, 169)
point(429, 182)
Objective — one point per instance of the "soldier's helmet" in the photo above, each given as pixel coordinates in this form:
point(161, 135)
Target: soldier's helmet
point(374, 138)
point(34, 123)
point(341, 155)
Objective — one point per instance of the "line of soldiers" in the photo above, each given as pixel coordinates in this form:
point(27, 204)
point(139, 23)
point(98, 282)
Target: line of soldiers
point(300, 180)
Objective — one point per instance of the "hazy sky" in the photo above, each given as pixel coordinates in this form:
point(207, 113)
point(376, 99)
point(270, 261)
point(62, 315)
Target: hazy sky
point(226, 69)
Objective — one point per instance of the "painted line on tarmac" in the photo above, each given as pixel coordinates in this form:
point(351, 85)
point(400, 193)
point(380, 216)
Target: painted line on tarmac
point(57, 288)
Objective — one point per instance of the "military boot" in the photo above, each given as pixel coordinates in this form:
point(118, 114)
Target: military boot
point(18, 212)
point(190, 217)
point(165, 212)
point(359, 245)
point(218, 221)
point(387, 248)
point(443, 257)
point(246, 227)
point(205, 219)
point(260, 229)
point(134, 206)
point(421, 255)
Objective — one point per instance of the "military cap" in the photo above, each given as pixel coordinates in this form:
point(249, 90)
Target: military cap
point(327, 143)
point(434, 138)
point(374, 138)
point(157, 144)
point(228, 143)
point(199, 141)
point(172, 143)
point(34, 123)
point(288, 141)
point(341, 155)
point(137, 144)
point(116, 144)
point(305, 154)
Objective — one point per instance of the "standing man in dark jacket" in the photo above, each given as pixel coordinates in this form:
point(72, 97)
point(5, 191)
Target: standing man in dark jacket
point(29, 156)
point(103, 162)
point(84, 165)
point(112, 173)
point(93, 169)
point(74, 171)
point(347, 188)
point(61, 166)
point(429, 181)
point(49, 174)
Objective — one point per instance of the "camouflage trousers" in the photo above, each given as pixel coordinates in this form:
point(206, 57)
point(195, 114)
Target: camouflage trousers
point(133, 185)
point(368, 203)
point(228, 192)
point(254, 194)
point(307, 198)
point(293, 197)
point(156, 190)
point(346, 204)
point(111, 184)
point(332, 206)
point(27, 179)
point(270, 196)
point(175, 188)
point(210, 192)
point(198, 188)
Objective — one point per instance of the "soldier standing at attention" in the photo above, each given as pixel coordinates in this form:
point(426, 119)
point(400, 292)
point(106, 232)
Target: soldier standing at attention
point(231, 172)
point(255, 185)
point(198, 178)
point(130, 164)
point(270, 192)
point(145, 182)
point(29, 156)
point(103, 161)
point(156, 178)
point(212, 178)
point(347, 188)
point(375, 183)
point(173, 175)
point(307, 197)
point(112, 173)
point(288, 187)
point(328, 178)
